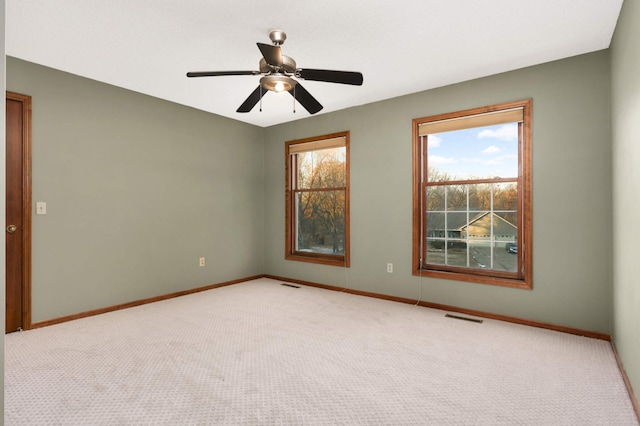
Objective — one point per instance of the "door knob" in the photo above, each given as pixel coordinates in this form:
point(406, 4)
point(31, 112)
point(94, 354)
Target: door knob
point(11, 229)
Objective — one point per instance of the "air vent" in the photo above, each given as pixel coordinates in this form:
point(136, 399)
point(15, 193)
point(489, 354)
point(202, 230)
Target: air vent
point(464, 318)
point(290, 285)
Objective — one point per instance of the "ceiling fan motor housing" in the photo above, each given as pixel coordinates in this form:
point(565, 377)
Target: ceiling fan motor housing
point(288, 65)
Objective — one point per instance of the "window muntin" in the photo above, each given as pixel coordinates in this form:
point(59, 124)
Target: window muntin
point(472, 195)
point(317, 197)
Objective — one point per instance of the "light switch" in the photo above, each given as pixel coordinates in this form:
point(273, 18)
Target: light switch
point(41, 207)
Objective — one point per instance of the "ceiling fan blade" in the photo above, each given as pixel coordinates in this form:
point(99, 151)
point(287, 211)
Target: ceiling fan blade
point(272, 54)
point(330, 76)
point(252, 100)
point(220, 73)
point(306, 100)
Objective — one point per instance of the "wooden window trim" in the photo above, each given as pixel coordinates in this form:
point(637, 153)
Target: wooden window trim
point(525, 280)
point(290, 252)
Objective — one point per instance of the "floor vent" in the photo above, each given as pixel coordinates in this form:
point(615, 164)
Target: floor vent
point(290, 285)
point(479, 321)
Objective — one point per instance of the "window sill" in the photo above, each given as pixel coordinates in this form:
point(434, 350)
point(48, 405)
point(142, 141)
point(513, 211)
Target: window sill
point(319, 259)
point(524, 284)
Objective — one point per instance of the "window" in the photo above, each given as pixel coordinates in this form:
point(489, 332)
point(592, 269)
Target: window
point(317, 199)
point(472, 195)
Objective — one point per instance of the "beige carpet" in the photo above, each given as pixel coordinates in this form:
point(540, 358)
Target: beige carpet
point(262, 353)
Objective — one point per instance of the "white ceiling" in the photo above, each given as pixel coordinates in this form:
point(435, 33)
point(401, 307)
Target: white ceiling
point(401, 46)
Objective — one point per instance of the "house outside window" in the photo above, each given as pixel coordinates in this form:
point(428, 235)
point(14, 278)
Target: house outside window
point(317, 199)
point(472, 195)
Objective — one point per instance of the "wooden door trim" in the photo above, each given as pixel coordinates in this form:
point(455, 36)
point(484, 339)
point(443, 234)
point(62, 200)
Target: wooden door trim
point(26, 205)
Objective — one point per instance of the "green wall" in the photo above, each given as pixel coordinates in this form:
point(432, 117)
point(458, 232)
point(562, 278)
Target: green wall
point(625, 65)
point(137, 190)
point(571, 194)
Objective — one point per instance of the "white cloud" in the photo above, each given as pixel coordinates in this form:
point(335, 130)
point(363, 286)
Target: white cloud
point(436, 159)
point(508, 132)
point(433, 141)
point(492, 150)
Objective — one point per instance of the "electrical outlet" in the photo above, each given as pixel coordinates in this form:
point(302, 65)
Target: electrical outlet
point(390, 268)
point(202, 261)
point(41, 207)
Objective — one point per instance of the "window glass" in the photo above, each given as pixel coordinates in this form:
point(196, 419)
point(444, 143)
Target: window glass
point(483, 152)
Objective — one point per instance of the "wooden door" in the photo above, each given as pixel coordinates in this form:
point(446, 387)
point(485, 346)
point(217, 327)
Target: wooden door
point(18, 212)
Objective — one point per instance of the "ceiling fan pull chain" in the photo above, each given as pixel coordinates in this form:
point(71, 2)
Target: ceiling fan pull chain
point(260, 98)
point(294, 99)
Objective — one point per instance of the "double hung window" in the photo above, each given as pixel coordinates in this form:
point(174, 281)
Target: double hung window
point(317, 199)
point(472, 195)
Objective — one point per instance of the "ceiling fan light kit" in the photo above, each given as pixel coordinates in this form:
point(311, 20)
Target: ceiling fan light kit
point(277, 83)
point(278, 72)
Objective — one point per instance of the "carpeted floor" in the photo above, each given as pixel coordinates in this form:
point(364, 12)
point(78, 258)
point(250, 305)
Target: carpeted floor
point(262, 353)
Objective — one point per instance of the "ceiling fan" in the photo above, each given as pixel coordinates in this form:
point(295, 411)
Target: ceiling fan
point(279, 74)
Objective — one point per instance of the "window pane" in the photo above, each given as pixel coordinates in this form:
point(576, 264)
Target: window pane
point(504, 230)
point(505, 196)
point(478, 232)
point(322, 169)
point(456, 253)
point(510, 217)
point(481, 152)
point(505, 257)
point(435, 198)
point(320, 221)
point(480, 253)
point(435, 225)
point(480, 196)
point(435, 251)
point(457, 197)
point(505, 204)
point(479, 226)
point(456, 223)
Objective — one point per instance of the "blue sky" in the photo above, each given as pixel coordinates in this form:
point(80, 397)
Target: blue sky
point(478, 152)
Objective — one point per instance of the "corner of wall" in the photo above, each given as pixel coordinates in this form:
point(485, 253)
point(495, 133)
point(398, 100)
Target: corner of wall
point(625, 108)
